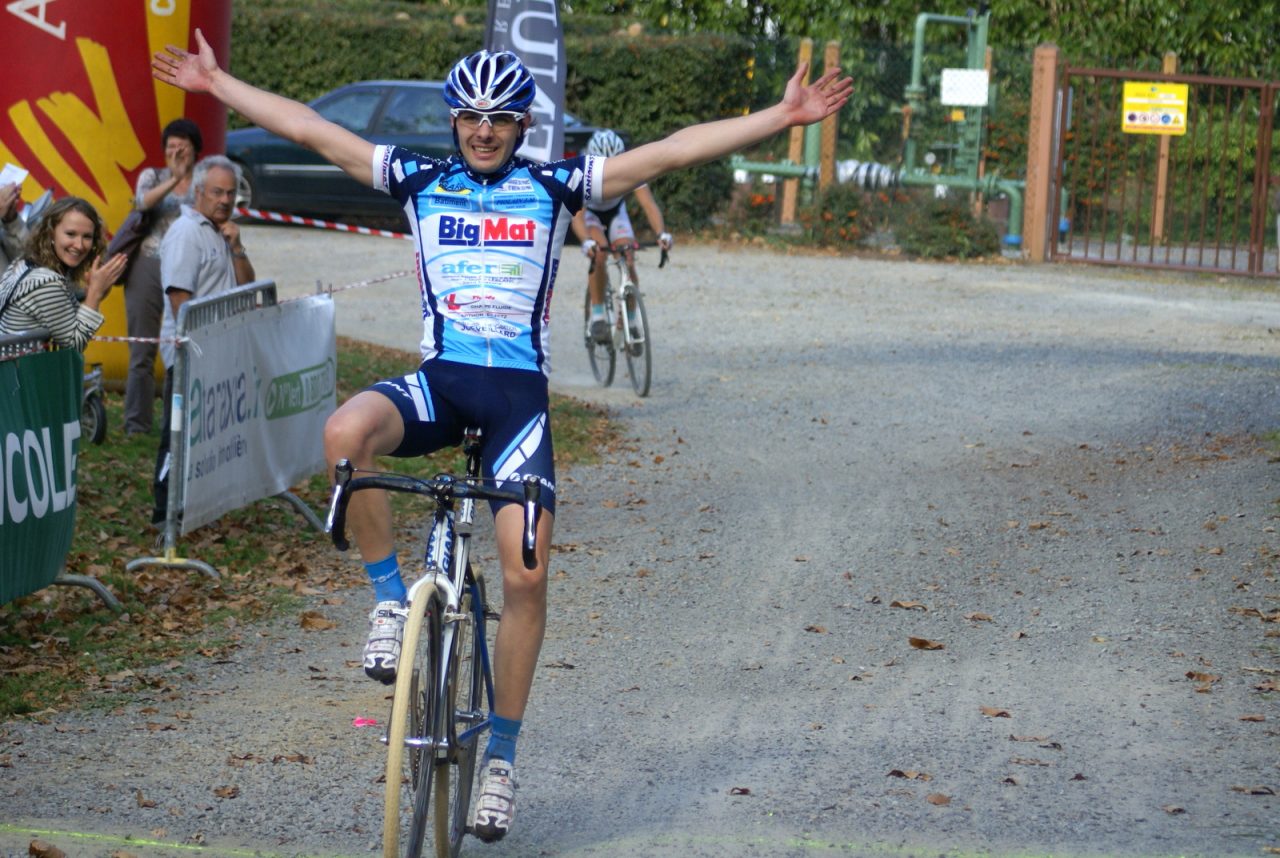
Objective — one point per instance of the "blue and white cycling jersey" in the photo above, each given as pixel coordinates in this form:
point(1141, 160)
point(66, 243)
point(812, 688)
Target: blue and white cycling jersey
point(488, 249)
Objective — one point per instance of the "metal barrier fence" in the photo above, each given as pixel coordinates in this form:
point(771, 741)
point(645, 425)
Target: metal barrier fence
point(192, 317)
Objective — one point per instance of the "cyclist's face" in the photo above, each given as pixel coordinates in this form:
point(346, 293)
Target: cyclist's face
point(488, 140)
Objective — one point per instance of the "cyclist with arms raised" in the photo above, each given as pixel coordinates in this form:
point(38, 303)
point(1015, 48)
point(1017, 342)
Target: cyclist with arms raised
point(489, 228)
point(607, 224)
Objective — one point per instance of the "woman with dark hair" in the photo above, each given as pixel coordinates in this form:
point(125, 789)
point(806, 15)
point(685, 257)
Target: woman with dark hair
point(161, 191)
point(62, 252)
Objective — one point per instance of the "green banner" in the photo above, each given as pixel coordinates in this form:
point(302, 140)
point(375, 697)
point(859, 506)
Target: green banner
point(39, 443)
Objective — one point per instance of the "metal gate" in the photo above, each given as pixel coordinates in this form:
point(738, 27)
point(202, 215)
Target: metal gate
point(1194, 201)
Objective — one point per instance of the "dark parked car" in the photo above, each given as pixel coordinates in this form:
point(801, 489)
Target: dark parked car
point(282, 176)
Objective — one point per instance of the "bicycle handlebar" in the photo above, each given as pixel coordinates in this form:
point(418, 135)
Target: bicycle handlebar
point(615, 251)
point(443, 488)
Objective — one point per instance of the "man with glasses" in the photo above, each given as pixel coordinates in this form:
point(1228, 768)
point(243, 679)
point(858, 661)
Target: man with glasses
point(490, 227)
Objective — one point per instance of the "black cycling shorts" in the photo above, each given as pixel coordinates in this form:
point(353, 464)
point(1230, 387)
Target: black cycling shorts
point(509, 406)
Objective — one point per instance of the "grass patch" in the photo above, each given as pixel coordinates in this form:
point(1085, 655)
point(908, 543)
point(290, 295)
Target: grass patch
point(60, 644)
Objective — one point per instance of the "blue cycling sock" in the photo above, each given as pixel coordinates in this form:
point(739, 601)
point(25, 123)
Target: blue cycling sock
point(502, 739)
point(385, 575)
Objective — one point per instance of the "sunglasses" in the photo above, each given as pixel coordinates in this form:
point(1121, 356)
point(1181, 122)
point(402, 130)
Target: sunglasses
point(499, 120)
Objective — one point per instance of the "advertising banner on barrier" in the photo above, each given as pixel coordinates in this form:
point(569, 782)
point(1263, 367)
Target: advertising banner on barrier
point(39, 444)
point(530, 29)
point(259, 388)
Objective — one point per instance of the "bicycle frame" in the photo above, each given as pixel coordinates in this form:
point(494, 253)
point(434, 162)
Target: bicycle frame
point(627, 320)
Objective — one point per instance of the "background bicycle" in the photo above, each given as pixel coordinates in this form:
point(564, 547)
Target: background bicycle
point(627, 319)
point(443, 700)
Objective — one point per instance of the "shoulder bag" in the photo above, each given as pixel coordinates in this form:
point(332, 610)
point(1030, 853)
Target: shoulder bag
point(128, 238)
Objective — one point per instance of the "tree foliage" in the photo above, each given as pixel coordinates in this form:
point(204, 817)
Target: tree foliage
point(1209, 36)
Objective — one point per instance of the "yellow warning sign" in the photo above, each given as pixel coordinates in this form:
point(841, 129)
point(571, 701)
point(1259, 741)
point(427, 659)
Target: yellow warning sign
point(1154, 108)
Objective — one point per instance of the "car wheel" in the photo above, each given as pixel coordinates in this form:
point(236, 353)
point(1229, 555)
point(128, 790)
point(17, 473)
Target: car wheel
point(244, 189)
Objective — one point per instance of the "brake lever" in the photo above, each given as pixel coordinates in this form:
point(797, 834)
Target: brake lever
point(532, 491)
point(336, 523)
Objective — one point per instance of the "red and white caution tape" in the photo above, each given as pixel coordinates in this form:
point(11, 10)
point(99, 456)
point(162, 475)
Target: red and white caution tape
point(278, 217)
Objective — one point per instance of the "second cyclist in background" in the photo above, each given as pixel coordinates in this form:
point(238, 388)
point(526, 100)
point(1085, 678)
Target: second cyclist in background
point(608, 225)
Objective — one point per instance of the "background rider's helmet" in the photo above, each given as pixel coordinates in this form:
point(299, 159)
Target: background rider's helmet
point(487, 82)
point(605, 143)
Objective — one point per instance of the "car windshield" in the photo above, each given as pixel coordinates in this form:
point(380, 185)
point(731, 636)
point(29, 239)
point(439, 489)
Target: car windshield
point(415, 110)
point(352, 110)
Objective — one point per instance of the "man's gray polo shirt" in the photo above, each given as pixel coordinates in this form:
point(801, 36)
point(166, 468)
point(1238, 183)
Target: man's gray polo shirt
point(195, 258)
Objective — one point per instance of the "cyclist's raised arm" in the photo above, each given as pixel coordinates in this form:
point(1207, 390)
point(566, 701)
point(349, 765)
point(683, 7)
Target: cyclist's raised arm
point(199, 72)
point(697, 144)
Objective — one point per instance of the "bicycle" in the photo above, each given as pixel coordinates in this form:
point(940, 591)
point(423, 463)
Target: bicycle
point(444, 679)
point(628, 323)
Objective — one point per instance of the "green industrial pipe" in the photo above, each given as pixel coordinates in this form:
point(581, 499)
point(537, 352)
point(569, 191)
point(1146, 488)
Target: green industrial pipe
point(915, 90)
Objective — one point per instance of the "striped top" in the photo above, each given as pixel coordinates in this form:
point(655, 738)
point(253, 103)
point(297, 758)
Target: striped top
point(44, 299)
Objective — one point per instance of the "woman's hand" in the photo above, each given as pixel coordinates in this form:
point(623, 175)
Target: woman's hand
point(180, 158)
point(102, 276)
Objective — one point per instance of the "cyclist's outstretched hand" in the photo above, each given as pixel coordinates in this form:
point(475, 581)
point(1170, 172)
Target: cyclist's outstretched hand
point(589, 248)
point(665, 241)
point(815, 102)
point(185, 70)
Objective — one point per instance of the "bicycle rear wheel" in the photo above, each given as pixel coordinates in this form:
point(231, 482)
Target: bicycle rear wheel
point(410, 754)
point(639, 356)
point(464, 698)
point(601, 355)
point(93, 419)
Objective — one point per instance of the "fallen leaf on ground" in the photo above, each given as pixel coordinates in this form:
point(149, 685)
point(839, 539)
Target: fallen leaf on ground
point(1254, 718)
point(739, 791)
point(910, 606)
point(142, 800)
point(1173, 809)
point(44, 849)
point(226, 791)
point(314, 621)
point(925, 643)
point(994, 712)
point(938, 799)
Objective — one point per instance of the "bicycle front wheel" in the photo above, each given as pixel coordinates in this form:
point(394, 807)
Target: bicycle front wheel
point(639, 356)
point(464, 698)
point(601, 355)
point(410, 744)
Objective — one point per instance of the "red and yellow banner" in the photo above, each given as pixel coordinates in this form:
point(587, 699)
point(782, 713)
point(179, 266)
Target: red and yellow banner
point(79, 109)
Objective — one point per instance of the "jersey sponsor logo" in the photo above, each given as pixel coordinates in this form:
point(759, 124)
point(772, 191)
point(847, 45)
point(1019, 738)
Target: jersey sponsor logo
point(454, 185)
point(486, 328)
point(517, 184)
point(514, 202)
point(491, 232)
point(449, 201)
point(476, 269)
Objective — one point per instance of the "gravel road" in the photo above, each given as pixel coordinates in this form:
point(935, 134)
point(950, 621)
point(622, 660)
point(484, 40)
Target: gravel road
point(1056, 476)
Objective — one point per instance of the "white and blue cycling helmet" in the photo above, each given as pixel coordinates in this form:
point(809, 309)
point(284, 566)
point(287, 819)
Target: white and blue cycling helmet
point(490, 82)
point(605, 143)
